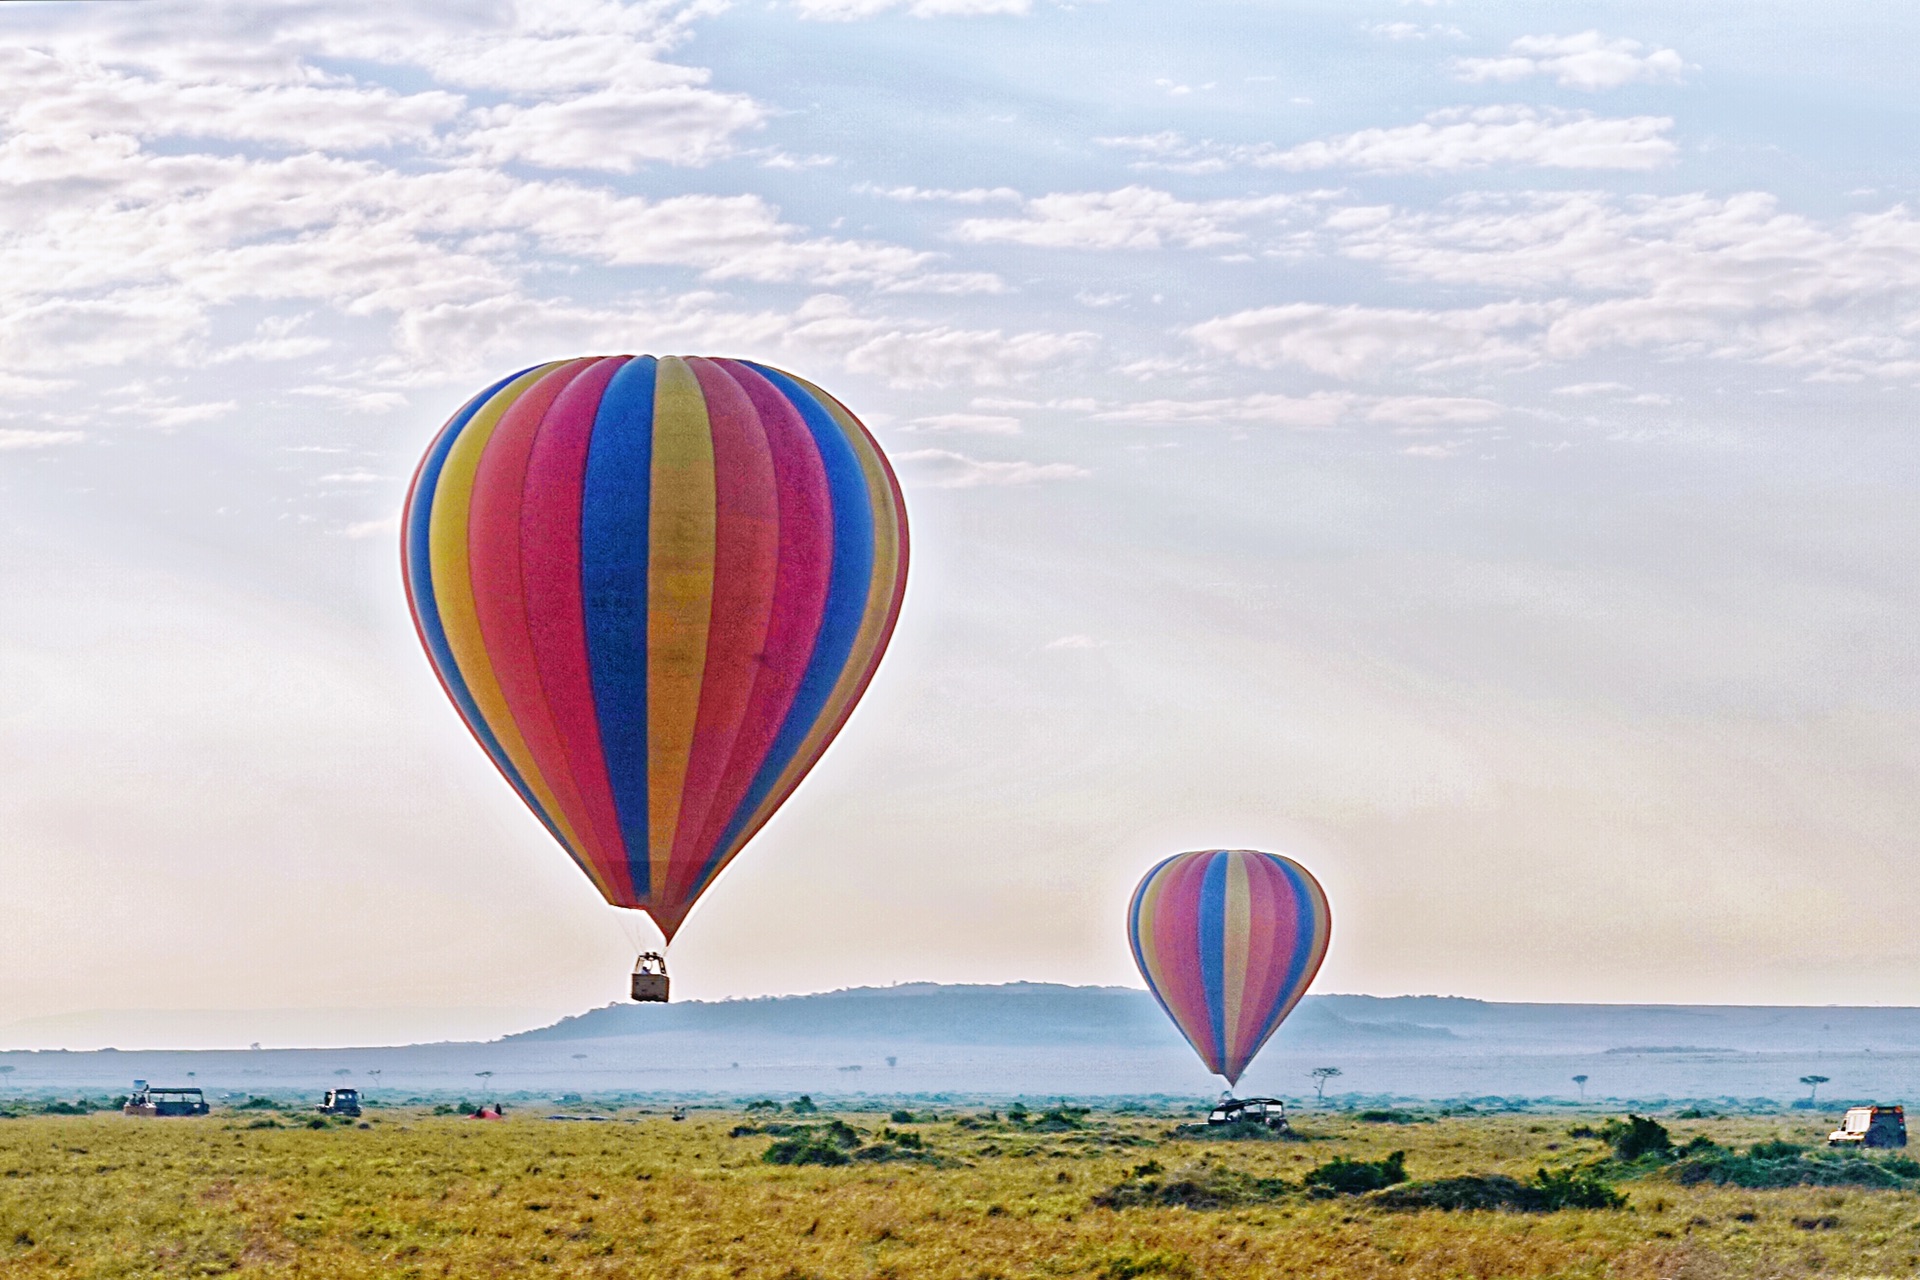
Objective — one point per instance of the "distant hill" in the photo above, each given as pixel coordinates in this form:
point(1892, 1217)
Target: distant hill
point(1017, 1013)
point(1038, 1014)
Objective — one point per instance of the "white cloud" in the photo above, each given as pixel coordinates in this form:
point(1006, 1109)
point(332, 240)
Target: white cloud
point(1590, 388)
point(968, 195)
point(56, 93)
point(851, 10)
point(1345, 342)
point(944, 469)
point(372, 528)
point(1131, 218)
point(616, 130)
point(1453, 140)
point(1586, 61)
point(1075, 642)
point(1414, 30)
point(357, 399)
point(973, 424)
point(1319, 410)
point(20, 438)
point(1728, 278)
point(1422, 411)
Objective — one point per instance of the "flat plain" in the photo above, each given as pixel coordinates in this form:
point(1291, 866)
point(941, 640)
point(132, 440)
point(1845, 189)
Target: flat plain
point(938, 1193)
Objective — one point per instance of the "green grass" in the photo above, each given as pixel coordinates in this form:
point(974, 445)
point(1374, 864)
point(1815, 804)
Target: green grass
point(419, 1195)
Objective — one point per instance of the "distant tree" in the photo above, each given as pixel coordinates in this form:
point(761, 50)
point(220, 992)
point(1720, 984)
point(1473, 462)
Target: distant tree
point(375, 1073)
point(579, 1057)
point(1320, 1077)
point(343, 1071)
point(803, 1105)
point(1582, 1082)
point(6, 1070)
point(892, 1061)
point(1813, 1084)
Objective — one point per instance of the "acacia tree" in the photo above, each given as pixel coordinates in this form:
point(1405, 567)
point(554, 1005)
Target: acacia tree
point(1320, 1077)
point(1813, 1084)
point(1582, 1082)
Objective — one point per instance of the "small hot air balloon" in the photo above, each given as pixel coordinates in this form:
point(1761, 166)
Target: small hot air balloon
point(1228, 941)
point(654, 590)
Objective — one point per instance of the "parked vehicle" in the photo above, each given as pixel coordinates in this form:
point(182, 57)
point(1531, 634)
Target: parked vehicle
point(1871, 1127)
point(340, 1102)
point(148, 1101)
point(1270, 1112)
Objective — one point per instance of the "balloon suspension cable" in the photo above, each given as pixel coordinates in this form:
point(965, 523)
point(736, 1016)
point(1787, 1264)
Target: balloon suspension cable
point(633, 924)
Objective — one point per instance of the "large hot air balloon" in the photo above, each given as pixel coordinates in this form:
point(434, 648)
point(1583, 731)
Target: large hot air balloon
point(1228, 941)
point(654, 589)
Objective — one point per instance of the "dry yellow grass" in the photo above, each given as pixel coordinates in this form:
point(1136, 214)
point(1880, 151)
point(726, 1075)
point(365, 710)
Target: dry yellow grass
point(416, 1195)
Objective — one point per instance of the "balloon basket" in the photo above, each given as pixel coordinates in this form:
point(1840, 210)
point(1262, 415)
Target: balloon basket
point(650, 978)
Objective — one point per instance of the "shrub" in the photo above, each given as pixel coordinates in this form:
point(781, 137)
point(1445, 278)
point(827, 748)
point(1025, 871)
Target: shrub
point(1576, 1189)
point(807, 1150)
point(903, 1117)
point(1768, 1165)
point(1197, 1186)
point(1636, 1136)
point(1059, 1119)
point(1549, 1190)
point(803, 1105)
point(1484, 1191)
point(1776, 1149)
point(257, 1103)
point(1386, 1117)
point(1341, 1176)
point(1239, 1131)
point(761, 1104)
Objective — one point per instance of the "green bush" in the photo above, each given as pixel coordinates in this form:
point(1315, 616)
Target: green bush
point(1576, 1189)
point(1482, 1191)
point(1769, 1165)
point(1342, 1176)
point(1549, 1190)
point(1636, 1136)
point(1199, 1186)
point(803, 1105)
point(807, 1150)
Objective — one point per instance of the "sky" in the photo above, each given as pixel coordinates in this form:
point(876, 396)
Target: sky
point(1467, 447)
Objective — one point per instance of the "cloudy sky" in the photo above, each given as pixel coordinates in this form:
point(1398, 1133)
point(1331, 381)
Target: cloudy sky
point(1469, 447)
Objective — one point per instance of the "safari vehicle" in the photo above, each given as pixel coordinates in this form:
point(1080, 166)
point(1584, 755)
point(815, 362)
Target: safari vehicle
point(147, 1101)
point(1270, 1112)
point(1871, 1127)
point(340, 1102)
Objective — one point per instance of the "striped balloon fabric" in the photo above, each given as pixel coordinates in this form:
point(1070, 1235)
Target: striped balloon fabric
point(655, 589)
point(1228, 940)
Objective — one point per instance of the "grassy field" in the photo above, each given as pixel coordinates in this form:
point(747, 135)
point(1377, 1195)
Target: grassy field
point(956, 1196)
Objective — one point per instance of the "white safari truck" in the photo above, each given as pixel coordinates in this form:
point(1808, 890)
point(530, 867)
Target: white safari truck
point(1871, 1127)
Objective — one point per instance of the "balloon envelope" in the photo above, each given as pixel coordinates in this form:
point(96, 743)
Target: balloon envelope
point(654, 589)
point(1228, 941)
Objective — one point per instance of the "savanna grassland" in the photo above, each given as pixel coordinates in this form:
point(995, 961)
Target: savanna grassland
point(954, 1196)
